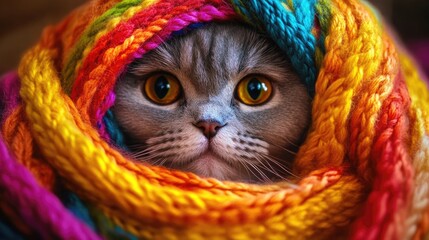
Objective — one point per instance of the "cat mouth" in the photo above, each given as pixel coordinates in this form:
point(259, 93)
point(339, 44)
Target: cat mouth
point(209, 164)
point(208, 157)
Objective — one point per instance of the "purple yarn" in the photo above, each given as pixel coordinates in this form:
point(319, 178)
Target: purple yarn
point(420, 50)
point(9, 93)
point(38, 208)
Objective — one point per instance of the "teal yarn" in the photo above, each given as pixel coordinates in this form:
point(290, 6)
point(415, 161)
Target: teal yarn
point(73, 203)
point(112, 127)
point(290, 30)
point(7, 232)
point(93, 218)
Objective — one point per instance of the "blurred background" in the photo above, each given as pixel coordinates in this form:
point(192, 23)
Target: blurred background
point(21, 22)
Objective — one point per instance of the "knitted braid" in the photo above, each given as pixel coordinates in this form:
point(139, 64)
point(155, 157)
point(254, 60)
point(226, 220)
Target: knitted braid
point(99, 27)
point(16, 132)
point(419, 111)
point(346, 60)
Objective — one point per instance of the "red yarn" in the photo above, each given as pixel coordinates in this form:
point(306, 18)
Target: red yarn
point(394, 175)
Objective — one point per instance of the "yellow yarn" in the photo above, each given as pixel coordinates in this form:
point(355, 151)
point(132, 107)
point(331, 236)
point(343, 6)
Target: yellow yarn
point(347, 58)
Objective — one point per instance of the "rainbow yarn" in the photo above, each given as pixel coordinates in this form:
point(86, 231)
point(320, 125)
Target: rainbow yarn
point(364, 167)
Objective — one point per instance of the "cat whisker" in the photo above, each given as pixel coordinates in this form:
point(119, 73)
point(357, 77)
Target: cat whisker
point(262, 159)
point(142, 154)
point(285, 149)
point(290, 142)
point(265, 164)
point(282, 148)
point(282, 167)
point(265, 178)
point(147, 151)
point(282, 137)
point(160, 161)
point(148, 155)
point(154, 156)
point(275, 160)
point(251, 172)
point(294, 144)
point(277, 145)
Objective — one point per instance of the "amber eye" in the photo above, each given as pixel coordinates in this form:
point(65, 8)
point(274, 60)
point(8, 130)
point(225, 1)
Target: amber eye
point(254, 90)
point(162, 88)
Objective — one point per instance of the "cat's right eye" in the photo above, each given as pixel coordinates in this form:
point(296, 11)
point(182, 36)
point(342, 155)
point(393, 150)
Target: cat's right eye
point(162, 88)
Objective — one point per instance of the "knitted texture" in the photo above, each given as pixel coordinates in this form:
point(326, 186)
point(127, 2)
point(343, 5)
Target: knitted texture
point(363, 168)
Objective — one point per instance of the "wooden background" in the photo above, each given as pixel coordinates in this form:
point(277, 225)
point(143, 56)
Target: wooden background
point(21, 22)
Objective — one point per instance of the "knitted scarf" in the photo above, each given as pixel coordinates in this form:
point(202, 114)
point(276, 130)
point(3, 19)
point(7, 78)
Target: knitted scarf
point(363, 168)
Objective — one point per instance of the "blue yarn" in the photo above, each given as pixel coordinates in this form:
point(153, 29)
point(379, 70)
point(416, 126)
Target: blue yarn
point(304, 13)
point(112, 127)
point(187, 29)
point(8, 233)
point(290, 30)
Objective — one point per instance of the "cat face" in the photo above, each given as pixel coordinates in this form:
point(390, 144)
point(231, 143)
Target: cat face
point(220, 101)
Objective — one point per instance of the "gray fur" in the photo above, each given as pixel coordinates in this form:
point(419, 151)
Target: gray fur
point(257, 144)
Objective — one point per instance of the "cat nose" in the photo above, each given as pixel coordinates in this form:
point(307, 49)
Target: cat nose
point(209, 127)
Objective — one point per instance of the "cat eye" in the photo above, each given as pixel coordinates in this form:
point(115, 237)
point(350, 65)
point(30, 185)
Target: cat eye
point(254, 90)
point(162, 88)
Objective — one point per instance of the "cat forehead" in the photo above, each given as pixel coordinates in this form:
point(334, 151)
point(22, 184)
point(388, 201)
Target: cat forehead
point(211, 57)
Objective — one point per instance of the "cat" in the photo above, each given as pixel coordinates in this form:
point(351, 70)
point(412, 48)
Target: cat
point(221, 101)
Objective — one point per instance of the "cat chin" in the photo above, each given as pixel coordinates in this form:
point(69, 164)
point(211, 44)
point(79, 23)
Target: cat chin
point(210, 165)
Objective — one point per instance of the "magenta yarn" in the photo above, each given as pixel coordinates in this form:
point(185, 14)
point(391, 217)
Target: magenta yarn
point(39, 209)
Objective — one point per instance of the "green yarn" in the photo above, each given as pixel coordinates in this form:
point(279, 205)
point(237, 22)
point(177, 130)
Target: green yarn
point(88, 38)
point(108, 229)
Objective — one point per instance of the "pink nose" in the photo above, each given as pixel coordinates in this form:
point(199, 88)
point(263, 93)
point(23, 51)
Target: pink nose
point(209, 127)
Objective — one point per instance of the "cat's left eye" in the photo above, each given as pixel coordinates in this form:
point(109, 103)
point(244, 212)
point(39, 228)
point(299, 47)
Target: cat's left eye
point(254, 90)
point(162, 88)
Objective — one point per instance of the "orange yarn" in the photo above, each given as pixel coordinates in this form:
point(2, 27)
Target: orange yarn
point(17, 135)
